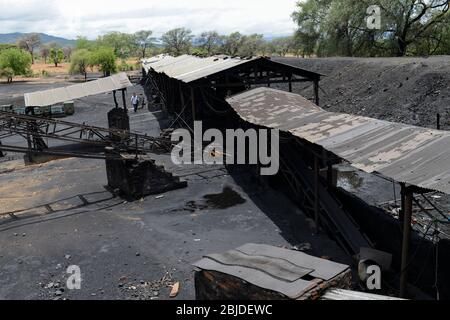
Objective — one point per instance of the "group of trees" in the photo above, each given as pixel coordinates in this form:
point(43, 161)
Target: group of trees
point(182, 41)
point(325, 28)
point(340, 27)
point(88, 55)
point(32, 42)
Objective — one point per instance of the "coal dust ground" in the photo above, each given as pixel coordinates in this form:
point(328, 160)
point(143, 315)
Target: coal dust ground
point(408, 90)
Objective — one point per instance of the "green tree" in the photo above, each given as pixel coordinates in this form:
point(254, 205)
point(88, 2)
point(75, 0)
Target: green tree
point(83, 43)
point(281, 46)
point(4, 46)
point(123, 44)
point(105, 59)
point(177, 41)
point(14, 62)
point(56, 55)
point(210, 42)
point(143, 40)
point(81, 60)
point(232, 43)
point(339, 27)
point(251, 45)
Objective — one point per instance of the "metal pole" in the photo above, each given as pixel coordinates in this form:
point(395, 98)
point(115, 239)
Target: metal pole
point(330, 175)
point(115, 99)
point(401, 214)
point(406, 242)
point(438, 121)
point(316, 91)
point(316, 192)
point(124, 100)
point(290, 83)
point(193, 105)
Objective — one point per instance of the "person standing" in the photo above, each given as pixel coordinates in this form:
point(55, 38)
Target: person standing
point(135, 101)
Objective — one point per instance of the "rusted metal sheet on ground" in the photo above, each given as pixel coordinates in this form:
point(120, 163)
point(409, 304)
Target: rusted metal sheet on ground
point(404, 153)
point(287, 273)
point(53, 96)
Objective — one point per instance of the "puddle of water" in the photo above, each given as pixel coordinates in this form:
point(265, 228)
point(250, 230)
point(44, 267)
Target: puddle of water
point(226, 199)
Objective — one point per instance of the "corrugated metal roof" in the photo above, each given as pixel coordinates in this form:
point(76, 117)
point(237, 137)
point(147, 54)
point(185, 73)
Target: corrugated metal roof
point(58, 95)
point(189, 68)
point(410, 154)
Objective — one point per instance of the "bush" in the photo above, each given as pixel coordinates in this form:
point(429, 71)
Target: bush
point(7, 73)
point(16, 62)
point(106, 60)
point(124, 66)
point(56, 56)
point(80, 61)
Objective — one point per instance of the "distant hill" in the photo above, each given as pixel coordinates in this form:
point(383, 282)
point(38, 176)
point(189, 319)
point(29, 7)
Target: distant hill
point(45, 38)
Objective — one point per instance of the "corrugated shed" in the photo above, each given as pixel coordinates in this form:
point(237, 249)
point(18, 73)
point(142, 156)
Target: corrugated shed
point(189, 68)
point(58, 95)
point(404, 153)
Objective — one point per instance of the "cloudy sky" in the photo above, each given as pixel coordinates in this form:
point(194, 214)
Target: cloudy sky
point(93, 17)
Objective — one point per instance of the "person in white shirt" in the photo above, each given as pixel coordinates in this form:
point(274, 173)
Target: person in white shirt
point(135, 101)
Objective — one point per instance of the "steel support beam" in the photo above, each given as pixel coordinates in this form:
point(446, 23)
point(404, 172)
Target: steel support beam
point(406, 243)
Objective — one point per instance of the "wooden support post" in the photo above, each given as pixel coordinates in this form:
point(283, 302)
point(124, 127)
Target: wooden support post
point(316, 192)
point(124, 100)
point(316, 91)
point(438, 121)
point(115, 99)
point(193, 105)
point(401, 214)
point(330, 175)
point(406, 242)
point(290, 83)
point(1, 152)
point(136, 145)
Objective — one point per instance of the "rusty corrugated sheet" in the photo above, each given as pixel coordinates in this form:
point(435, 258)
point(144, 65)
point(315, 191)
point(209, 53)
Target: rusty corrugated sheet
point(274, 268)
point(58, 95)
point(404, 153)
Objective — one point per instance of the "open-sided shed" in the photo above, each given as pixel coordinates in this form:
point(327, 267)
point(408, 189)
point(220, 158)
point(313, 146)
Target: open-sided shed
point(187, 86)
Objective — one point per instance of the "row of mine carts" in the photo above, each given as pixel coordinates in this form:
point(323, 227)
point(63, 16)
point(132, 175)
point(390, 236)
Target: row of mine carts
point(56, 111)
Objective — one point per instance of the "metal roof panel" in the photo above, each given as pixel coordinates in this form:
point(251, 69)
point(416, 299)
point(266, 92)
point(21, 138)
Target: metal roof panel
point(58, 95)
point(410, 154)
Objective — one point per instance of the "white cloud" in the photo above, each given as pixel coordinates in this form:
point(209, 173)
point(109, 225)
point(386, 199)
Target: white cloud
point(93, 17)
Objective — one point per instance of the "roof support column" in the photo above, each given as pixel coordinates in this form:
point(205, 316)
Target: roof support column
point(316, 192)
point(193, 105)
point(124, 100)
point(115, 99)
point(316, 91)
point(408, 198)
